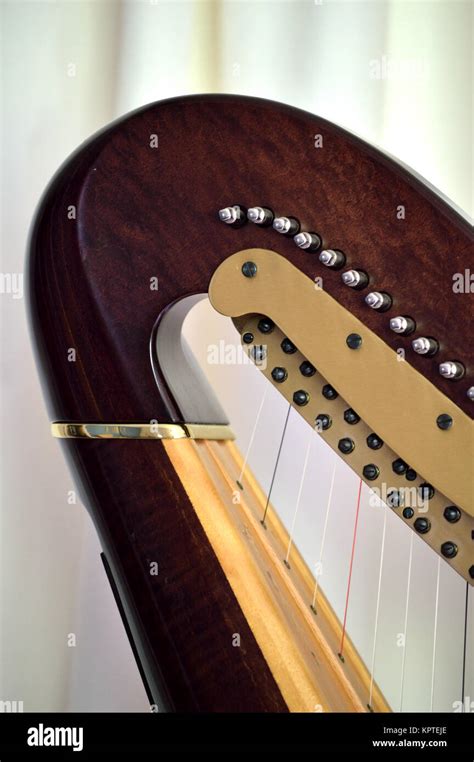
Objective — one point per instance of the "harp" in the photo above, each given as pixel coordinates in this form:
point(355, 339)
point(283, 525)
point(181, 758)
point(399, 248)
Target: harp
point(322, 559)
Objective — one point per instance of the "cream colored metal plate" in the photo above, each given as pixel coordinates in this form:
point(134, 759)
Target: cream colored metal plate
point(391, 397)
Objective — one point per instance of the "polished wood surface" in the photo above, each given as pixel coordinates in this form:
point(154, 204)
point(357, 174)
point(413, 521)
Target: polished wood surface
point(300, 646)
point(121, 212)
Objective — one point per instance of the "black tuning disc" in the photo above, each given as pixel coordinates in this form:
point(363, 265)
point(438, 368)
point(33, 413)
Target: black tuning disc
point(346, 445)
point(329, 392)
point(374, 442)
point(452, 514)
point(370, 472)
point(323, 421)
point(422, 525)
point(288, 346)
point(301, 397)
point(279, 374)
point(306, 369)
point(351, 417)
point(265, 325)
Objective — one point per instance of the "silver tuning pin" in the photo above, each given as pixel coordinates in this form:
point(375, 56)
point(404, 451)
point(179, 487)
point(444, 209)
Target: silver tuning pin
point(470, 393)
point(260, 215)
point(286, 225)
point(379, 300)
point(357, 279)
point(452, 370)
point(332, 258)
point(308, 241)
point(402, 325)
point(425, 345)
point(235, 216)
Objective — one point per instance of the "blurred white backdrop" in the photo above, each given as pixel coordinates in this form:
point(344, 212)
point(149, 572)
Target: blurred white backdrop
point(398, 73)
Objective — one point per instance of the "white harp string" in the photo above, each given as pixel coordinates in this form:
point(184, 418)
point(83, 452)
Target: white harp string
point(377, 608)
point(252, 436)
point(433, 663)
point(298, 499)
point(276, 464)
point(323, 539)
point(402, 681)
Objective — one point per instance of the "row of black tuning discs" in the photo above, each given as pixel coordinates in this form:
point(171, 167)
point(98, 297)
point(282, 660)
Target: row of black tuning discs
point(346, 445)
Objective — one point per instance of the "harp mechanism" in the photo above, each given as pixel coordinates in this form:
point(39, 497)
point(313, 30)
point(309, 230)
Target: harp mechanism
point(252, 609)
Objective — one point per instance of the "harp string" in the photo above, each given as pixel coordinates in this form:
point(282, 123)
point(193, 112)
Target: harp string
point(407, 603)
point(435, 633)
point(351, 564)
point(377, 608)
point(252, 436)
point(298, 499)
point(276, 465)
point(463, 685)
point(323, 539)
point(341, 647)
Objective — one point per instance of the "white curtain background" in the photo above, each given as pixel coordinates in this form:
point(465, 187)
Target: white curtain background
point(68, 68)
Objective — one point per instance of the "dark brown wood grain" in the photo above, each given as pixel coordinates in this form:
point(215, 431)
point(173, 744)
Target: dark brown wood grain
point(143, 212)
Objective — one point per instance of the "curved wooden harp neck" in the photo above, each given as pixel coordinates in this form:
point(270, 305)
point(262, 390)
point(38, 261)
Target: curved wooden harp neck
point(342, 293)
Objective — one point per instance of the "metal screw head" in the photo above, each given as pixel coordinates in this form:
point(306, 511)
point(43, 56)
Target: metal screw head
point(374, 300)
point(249, 269)
point(408, 513)
point(279, 374)
point(254, 213)
point(471, 571)
point(410, 474)
point(281, 224)
point(232, 215)
point(260, 215)
point(398, 324)
point(444, 421)
point(421, 345)
point(332, 258)
point(354, 341)
point(350, 278)
point(327, 257)
point(470, 393)
point(303, 240)
point(225, 215)
point(247, 338)
point(425, 346)
point(451, 369)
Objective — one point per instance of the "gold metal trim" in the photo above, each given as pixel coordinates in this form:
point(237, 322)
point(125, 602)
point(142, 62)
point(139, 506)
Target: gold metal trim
point(209, 431)
point(393, 398)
